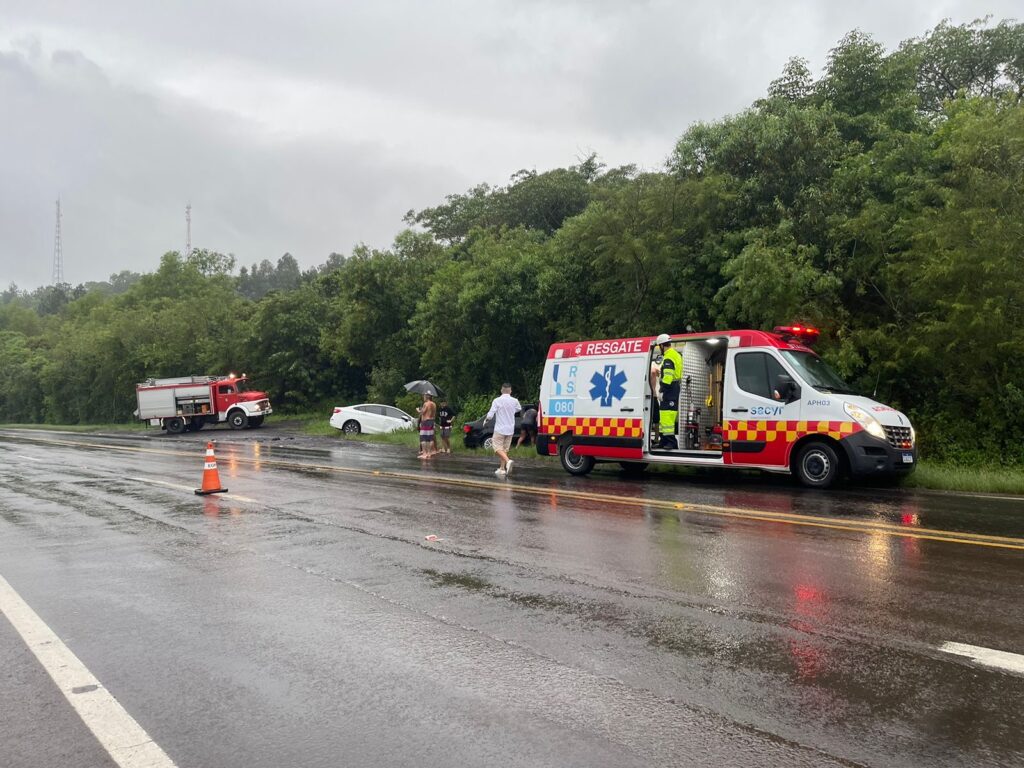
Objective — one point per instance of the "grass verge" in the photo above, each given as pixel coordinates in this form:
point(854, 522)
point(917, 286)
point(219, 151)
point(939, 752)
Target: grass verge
point(317, 425)
point(946, 477)
point(136, 426)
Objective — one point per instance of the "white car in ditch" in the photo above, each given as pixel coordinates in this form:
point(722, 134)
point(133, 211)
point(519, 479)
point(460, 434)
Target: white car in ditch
point(371, 418)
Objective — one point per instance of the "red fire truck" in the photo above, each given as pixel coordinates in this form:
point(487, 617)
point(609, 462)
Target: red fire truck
point(191, 402)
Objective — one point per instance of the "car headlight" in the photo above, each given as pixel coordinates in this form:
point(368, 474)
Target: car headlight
point(871, 425)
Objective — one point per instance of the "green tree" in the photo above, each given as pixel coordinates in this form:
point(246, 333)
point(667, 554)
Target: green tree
point(478, 325)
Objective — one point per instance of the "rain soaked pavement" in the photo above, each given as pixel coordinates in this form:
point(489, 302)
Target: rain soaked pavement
point(303, 619)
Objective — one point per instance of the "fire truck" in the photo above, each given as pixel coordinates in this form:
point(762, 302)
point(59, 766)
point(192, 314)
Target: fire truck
point(747, 399)
point(191, 402)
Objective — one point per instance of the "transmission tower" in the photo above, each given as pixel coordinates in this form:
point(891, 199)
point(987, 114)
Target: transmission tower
point(188, 230)
point(58, 252)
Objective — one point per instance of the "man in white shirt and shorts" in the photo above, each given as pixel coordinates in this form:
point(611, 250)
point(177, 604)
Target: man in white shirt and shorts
point(504, 409)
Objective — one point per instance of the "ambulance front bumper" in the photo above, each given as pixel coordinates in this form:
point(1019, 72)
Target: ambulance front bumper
point(870, 456)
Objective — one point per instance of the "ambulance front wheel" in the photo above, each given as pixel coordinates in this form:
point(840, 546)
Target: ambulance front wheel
point(817, 465)
point(573, 463)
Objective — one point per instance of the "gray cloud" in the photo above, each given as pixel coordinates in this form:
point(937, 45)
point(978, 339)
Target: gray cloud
point(311, 129)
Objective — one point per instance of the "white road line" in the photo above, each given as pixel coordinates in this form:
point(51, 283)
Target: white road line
point(1010, 662)
point(164, 483)
point(128, 744)
point(30, 458)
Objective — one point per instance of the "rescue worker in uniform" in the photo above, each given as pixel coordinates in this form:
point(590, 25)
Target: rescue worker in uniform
point(671, 373)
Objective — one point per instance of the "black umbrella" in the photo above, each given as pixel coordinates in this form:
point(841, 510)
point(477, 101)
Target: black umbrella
point(423, 387)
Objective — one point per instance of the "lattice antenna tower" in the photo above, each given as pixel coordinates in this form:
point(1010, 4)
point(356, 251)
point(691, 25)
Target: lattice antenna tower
point(188, 229)
point(58, 251)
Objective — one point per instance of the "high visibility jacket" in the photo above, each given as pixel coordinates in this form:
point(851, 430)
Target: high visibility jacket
point(671, 367)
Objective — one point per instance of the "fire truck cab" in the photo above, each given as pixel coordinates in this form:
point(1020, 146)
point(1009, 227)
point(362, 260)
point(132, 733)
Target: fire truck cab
point(748, 399)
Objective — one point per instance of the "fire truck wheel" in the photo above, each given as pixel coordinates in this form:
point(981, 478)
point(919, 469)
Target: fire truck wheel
point(817, 465)
point(573, 463)
point(238, 420)
point(175, 425)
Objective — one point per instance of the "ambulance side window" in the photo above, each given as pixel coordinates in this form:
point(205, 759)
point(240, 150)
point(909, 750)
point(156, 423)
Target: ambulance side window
point(755, 371)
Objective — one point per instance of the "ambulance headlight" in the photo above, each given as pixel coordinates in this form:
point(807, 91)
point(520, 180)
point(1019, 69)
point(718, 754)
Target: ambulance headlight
point(871, 425)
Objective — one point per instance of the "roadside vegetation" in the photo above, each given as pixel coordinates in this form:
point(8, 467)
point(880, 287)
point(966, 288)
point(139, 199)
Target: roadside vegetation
point(968, 479)
point(880, 199)
point(118, 427)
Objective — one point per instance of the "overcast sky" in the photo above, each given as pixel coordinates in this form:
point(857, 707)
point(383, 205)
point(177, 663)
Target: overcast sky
point(308, 127)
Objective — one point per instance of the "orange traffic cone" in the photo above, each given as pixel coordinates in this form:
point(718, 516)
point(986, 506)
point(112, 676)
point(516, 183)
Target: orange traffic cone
point(211, 478)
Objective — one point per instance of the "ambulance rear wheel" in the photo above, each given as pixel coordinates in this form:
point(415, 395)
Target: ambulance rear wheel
point(573, 463)
point(238, 420)
point(175, 425)
point(817, 465)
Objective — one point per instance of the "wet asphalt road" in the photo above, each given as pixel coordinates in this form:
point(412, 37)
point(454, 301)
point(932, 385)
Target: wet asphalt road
point(304, 620)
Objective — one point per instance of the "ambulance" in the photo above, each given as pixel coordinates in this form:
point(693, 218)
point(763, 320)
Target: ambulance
point(747, 400)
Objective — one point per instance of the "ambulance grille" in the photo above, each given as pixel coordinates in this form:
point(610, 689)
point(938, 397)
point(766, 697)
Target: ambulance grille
point(898, 437)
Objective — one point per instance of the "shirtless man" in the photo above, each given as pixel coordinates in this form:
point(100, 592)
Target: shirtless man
point(427, 412)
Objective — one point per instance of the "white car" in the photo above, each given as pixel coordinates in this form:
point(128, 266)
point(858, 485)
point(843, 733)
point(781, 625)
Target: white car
point(371, 418)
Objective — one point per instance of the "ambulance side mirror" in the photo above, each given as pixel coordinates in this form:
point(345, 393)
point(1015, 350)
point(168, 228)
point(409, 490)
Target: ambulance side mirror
point(786, 389)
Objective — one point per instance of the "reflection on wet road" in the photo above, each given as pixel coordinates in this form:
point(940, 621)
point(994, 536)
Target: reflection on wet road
point(305, 619)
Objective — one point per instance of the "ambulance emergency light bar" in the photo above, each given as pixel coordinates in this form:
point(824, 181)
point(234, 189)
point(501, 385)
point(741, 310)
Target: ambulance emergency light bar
point(803, 333)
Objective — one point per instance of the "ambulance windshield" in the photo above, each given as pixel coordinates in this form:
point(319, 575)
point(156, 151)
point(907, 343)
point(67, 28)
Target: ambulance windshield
point(816, 372)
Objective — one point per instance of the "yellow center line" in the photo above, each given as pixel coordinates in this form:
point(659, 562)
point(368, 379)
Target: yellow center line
point(811, 521)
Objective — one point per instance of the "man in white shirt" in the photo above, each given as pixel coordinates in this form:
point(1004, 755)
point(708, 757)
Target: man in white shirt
point(504, 409)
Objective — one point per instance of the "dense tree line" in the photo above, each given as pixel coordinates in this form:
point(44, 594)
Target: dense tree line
point(883, 201)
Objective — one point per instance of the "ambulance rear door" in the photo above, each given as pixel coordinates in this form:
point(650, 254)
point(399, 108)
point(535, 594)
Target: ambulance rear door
point(595, 391)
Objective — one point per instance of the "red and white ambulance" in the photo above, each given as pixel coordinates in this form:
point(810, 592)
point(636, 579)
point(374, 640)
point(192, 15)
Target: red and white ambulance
point(748, 399)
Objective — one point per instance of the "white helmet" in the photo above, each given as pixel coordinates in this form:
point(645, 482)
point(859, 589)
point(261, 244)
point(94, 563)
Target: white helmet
point(662, 339)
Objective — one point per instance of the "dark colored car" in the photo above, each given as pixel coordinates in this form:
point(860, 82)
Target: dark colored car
point(477, 434)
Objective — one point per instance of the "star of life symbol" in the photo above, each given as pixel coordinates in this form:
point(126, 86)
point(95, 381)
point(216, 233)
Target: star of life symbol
point(608, 386)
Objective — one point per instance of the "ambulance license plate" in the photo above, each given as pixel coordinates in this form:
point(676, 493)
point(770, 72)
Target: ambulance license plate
point(908, 458)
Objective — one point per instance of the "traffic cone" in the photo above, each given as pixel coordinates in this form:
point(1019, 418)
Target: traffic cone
point(211, 478)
